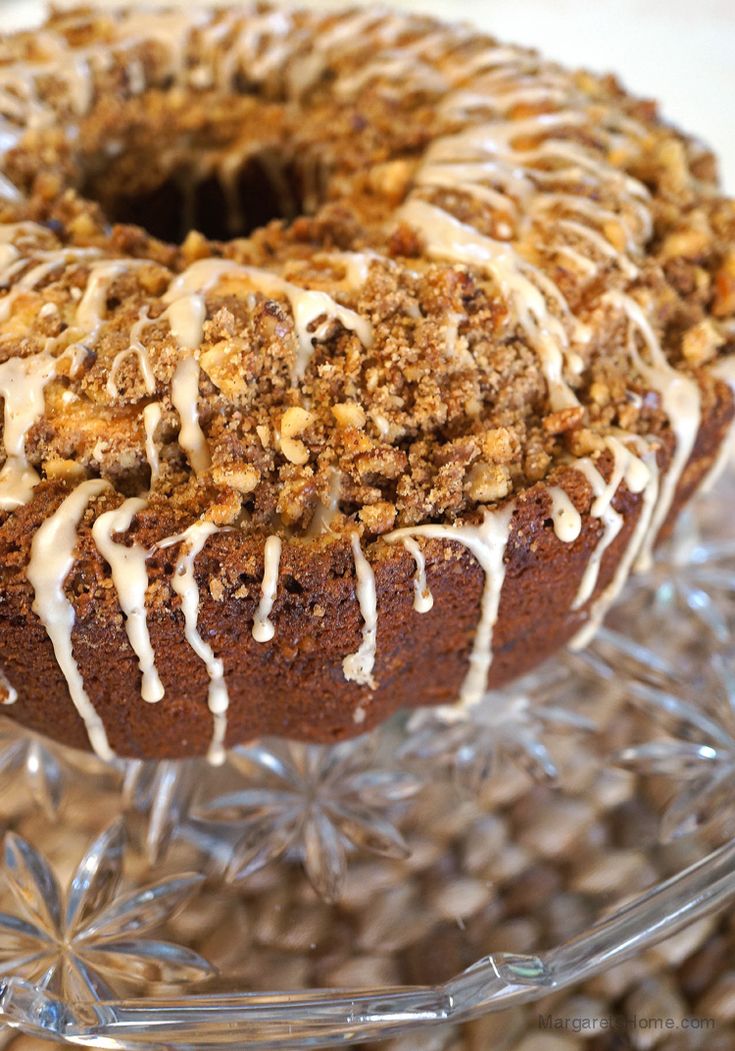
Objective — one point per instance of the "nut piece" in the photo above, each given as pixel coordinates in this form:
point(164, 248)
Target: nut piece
point(701, 342)
point(294, 421)
point(379, 517)
point(58, 470)
point(391, 178)
point(724, 303)
point(244, 477)
point(349, 414)
point(685, 244)
point(563, 420)
point(489, 482)
point(294, 451)
point(497, 445)
point(222, 366)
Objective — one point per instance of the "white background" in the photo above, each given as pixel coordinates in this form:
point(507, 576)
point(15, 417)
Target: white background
point(678, 51)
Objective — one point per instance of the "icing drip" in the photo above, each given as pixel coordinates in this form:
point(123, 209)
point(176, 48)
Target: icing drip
point(130, 577)
point(680, 400)
point(565, 516)
point(423, 600)
point(47, 263)
point(326, 511)
point(11, 694)
point(719, 464)
point(449, 239)
point(626, 467)
point(358, 666)
point(307, 305)
point(9, 192)
point(52, 558)
point(357, 267)
point(186, 319)
point(151, 418)
point(92, 306)
point(136, 348)
point(724, 370)
point(184, 584)
point(185, 396)
point(488, 543)
point(263, 629)
point(638, 469)
point(22, 385)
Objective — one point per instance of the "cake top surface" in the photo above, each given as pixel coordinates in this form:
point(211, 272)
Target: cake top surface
point(397, 272)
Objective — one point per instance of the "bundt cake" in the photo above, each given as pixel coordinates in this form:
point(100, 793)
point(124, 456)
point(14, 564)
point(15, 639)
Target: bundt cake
point(350, 362)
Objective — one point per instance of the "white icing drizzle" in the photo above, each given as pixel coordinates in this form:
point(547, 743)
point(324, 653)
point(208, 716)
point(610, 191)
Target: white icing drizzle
point(719, 464)
point(130, 577)
point(520, 182)
point(91, 309)
point(185, 397)
point(357, 267)
point(604, 601)
point(22, 385)
point(9, 192)
point(11, 694)
point(186, 319)
point(449, 239)
point(358, 667)
point(423, 600)
point(488, 543)
point(565, 516)
point(680, 400)
point(326, 510)
point(600, 243)
point(184, 584)
point(151, 418)
point(307, 305)
point(44, 264)
point(626, 467)
point(263, 629)
point(724, 370)
point(52, 558)
point(137, 349)
point(612, 523)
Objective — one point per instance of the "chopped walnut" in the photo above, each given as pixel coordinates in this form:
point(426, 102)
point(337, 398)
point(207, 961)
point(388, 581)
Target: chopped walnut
point(497, 445)
point(392, 178)
point(701, 343)
point(378, 518)
point(489, 482)
point(216, 589)
point(349, 414)
point(294, 421)
point(583, 442)
point(243, 478)
point(69, 471)
point(563, 420)
point(724, 301)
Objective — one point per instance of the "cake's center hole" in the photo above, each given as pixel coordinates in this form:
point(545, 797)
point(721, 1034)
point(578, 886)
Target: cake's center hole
point(229, 199)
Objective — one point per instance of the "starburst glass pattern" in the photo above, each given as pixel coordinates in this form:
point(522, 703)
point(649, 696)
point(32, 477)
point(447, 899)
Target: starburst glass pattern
point(43, 768)
point(695, 751)
point(693, 579)
point(74, 943)
point(509, 726)
point(162, 792)
point(315, 802)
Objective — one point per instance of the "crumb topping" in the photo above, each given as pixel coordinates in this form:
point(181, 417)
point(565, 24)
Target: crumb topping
point(323, 352)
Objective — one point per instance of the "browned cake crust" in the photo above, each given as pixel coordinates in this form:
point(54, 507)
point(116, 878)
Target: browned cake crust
point(507, 342)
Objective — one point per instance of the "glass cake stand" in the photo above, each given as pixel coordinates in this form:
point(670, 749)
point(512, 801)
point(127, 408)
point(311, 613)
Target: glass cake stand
point(438, 868)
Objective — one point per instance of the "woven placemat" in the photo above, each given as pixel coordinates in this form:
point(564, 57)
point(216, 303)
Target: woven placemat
point(679, 996)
